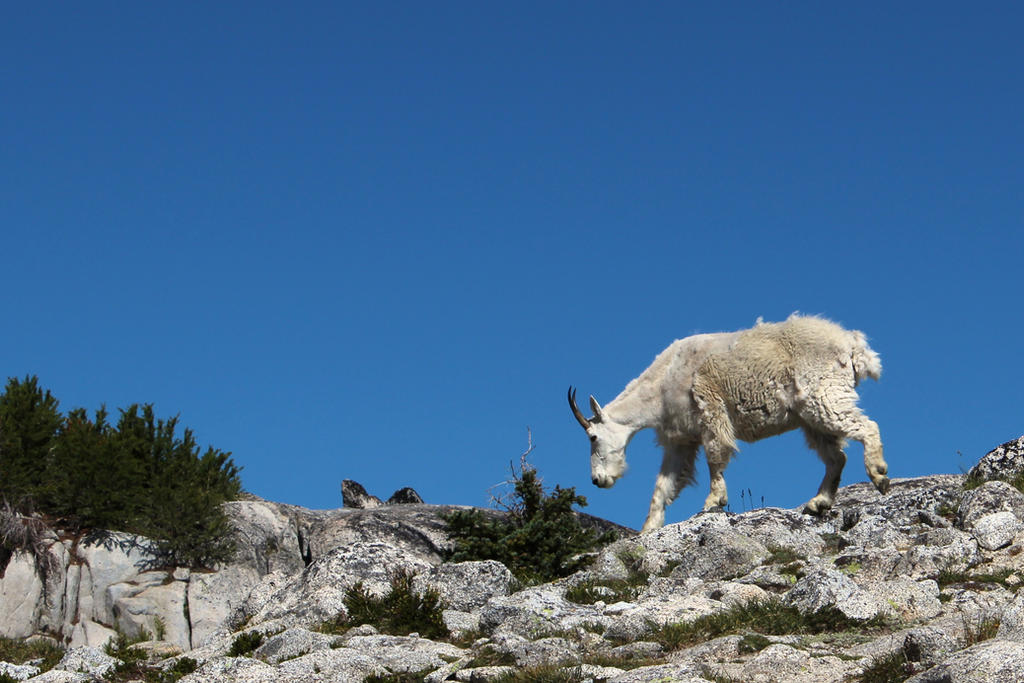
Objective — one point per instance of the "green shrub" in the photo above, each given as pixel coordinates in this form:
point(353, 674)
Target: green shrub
point(398, 612)
point(539, 538)
point(137, 476)
point(29, 420)
point(891, 668)
point(245, 643)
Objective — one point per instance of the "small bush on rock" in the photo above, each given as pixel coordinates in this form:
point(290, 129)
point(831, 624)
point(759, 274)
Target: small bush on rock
point(539, 538)
point(891, 668)
point(398, 612)
point(245, 643)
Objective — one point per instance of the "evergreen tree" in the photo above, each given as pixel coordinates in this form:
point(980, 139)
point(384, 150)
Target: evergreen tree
point(29, 420)
point(539, 538)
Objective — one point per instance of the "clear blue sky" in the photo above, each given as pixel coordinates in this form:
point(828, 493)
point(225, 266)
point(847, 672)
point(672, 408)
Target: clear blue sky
point(378, 240)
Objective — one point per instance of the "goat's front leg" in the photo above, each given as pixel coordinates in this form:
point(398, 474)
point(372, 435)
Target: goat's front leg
point(676, 472)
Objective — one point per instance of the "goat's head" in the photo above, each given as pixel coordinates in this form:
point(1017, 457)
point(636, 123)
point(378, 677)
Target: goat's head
point(608, 441)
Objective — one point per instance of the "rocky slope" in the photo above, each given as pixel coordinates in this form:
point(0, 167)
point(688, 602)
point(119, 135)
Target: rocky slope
point(922, 580)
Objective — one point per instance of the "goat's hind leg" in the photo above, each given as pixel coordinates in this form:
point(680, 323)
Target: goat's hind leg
point(676, 472)
point(830, 450)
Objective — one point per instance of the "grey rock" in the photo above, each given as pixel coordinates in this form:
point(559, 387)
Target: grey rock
point(1011, 623)
point(353, 495)
point(534, 611)
point(874, 531)
point(927, 645)
point(231, 669)
point(902, 504)
point(780, 662)
point(404, 496)
point(824, 588)
point(721, 554)
point(459, 623)
point(270, 537)
point(61, 676)
point(400, 654)
point(341, 664)
point(317, 594)
point(992, 660)
point(87, 660)
point(293, 643)
point(996, 530)
point(1003, 462)
point(18, 672)
point(682, 672)
point(990, 497)
point(906, 599)
point(536, 652)
point(466, 585)
point(937, 550)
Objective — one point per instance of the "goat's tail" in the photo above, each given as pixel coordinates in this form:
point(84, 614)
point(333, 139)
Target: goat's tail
point(866, 363)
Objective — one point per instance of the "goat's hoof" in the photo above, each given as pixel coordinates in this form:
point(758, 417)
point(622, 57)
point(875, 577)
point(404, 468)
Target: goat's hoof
point(816, 508)
point(882, 485)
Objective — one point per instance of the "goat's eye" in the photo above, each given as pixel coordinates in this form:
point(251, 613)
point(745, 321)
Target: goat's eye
point(593, 438)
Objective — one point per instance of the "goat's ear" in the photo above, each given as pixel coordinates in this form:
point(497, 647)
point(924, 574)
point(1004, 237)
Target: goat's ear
point(596, 407)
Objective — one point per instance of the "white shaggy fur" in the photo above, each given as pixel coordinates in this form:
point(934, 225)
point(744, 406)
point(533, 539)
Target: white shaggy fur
point(712, 389)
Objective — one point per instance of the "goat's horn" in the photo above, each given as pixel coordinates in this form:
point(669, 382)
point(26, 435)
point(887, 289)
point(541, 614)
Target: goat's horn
point(584, 422)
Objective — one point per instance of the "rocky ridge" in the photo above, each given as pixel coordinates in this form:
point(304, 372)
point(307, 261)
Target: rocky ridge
point(925, 578)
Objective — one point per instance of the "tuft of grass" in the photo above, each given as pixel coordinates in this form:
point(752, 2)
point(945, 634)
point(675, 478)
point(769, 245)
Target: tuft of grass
point(489, 656)
point(890, 668)
point(544, 673)
point(398, 612)
point(769, 616)
point(752, 642)
point(612, 590)
point(979, 629)
point(135, 667)
point(21, 651)
point(780, 555)
point(975, 581)
point(245, 643)
point(1014, 480)
point(624, 661)
point(401, 677)
point(833, 542)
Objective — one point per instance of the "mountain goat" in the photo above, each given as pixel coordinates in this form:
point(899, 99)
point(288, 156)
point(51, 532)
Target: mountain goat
point(711, 389)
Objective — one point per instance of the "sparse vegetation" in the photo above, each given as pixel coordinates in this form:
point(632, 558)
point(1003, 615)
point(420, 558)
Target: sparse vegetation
point(539, 538)
point(981, 627)
point(976, 581)
point(543, 673)
point(891, 668)
point(42, 653)
point(752, 642)
point(245, 643)
point(403, 677)
point(399, 612)
point(489, 656)
point(769, 617)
